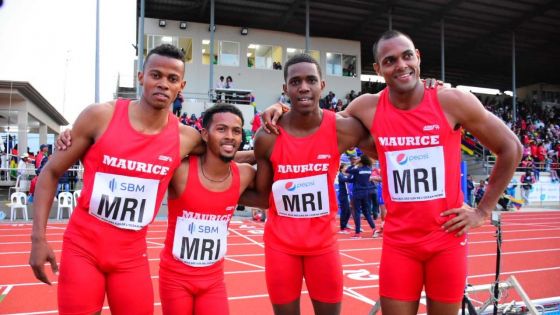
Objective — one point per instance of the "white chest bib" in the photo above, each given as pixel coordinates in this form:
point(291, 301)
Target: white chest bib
point(416, 174)
point(306, 197)
point(123, 201)
point(200, 243)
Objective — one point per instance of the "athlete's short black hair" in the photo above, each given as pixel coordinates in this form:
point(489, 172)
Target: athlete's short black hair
point(387, 35)
point(166, 50)
point(301, 58)
point(221, 108)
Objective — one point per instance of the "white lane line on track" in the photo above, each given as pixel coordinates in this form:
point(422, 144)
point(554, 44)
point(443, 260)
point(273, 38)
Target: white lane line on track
point(244, 263)
point(353, 288)
point(352, 257)
point(247, 238)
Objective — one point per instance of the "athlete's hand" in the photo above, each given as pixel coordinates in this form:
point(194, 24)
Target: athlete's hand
point(41, 252)
point(270, 116)
point(64, 140)
point(466, 218)
point(431, 83)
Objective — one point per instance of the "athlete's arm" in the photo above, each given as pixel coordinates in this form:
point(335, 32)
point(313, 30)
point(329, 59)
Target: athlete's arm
point(464, 109)
point(247, 177)
point(247, 156)
point(179, 180)
point(363, 109)
point(83, 136)
point(351, 133)
point(258, 197)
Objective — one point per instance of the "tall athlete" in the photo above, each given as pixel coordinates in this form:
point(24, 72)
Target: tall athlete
point(203, 195)
point(130, 150)
point(417, 137)
point(300, 164)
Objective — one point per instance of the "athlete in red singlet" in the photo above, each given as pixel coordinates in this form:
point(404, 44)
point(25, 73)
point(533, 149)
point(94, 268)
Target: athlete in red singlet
point(421, 180)
point(130, 151)
point(417, 138)
point(301, 164)
point(203, 195)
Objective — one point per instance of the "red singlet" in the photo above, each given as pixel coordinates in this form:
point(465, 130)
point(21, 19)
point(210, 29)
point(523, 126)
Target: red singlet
point(419, 156)
point(303, 203)
point(196, 239)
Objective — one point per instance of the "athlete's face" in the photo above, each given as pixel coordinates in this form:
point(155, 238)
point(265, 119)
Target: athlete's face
point(223, 135)
point(162, 80)
point(398, 62)
point(304, 86)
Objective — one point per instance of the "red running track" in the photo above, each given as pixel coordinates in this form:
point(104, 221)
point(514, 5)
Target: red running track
point(530, 251)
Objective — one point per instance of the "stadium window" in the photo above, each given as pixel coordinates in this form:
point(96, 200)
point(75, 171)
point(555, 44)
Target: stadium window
point(229, 53)
point(290, 52)
point(341, 65)
point(225, 53)
point(184, 43)
point(349, 66)
point(206, 52)
point(263, 56)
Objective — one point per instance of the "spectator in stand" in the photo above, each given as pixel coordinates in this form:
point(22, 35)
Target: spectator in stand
point(541, 155)
point(527, 181)
point(178, 104)
point(43, 151)
point(22, 164)
point(339, 106)
point(13, 168)
point(184, 119)
point(554, 169)
point(228, 85)
point(229, 82)
point(220, 84)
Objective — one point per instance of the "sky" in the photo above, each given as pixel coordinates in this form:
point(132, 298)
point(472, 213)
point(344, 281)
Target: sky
point(51, 44)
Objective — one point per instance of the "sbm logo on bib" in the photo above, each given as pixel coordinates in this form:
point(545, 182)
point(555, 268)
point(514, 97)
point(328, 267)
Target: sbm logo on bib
point(199, 243)
point(124, 201)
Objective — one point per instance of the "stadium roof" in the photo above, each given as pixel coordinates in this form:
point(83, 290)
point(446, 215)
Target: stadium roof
point(478, 34)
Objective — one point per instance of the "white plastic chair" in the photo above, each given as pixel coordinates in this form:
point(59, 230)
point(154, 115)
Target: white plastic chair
point(18, 201)
point(64, 201)
point(76, 194)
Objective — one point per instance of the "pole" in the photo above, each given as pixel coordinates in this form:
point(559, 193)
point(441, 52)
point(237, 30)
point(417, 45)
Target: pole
point(97, 52)
point(212, 26)
point(498, 262)
point(513, 88)
point(140, 47)
point(443, 50)
point(390, 18)
point(306, 26)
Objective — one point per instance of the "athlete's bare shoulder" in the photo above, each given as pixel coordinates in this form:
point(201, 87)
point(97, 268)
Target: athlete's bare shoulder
point(190, 141)
point(93, 120)
point(264, 143)
point(362, 108)
point(459, 106)
point(179, 179)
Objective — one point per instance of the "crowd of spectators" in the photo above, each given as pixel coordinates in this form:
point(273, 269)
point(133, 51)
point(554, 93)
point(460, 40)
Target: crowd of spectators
point(538, 129)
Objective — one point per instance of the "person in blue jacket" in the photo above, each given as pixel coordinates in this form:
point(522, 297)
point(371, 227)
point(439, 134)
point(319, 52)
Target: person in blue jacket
point(362, 190)
point(343, 199)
